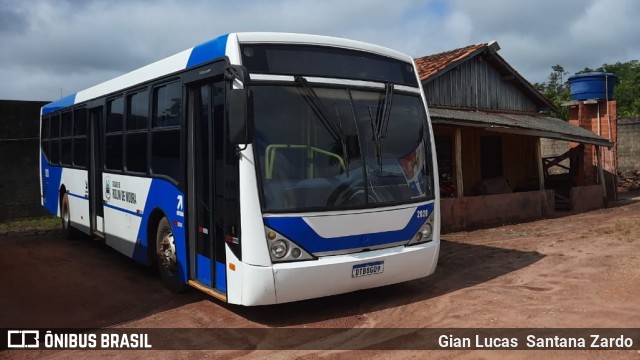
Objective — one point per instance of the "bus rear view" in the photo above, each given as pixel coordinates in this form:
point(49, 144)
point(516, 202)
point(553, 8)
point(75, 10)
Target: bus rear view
point(305, 167)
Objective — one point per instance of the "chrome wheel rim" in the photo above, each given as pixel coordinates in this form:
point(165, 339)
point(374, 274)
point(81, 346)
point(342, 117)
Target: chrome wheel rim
point(167, 251)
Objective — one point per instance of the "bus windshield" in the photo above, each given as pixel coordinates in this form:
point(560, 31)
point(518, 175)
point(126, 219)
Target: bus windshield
point(325, 148)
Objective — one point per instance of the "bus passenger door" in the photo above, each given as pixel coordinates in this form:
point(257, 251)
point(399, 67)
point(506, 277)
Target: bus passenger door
point(206, 184)
point(96, 202)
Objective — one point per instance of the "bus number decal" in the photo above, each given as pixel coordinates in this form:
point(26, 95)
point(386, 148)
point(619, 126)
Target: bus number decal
point(423, 214)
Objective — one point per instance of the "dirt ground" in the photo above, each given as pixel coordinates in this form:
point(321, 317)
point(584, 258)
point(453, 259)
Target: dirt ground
point(578, 271)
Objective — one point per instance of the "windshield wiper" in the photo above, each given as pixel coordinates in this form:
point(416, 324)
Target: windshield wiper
point(376, 138)
point(318, 108)
point(343, 142)
point(386, 109)
point(380, 124)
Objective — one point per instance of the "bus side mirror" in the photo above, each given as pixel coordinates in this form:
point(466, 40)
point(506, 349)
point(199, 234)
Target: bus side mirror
point(239, 106)
point(239, 119)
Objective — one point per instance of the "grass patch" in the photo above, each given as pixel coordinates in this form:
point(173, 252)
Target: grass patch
point(30, 224)
point(621, 227)
point(625, 228)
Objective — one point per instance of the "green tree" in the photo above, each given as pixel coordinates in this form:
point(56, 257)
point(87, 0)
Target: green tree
point(627, 91)
point(556, 90)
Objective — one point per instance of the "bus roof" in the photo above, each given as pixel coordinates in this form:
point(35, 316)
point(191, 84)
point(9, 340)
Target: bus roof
point(208, 51)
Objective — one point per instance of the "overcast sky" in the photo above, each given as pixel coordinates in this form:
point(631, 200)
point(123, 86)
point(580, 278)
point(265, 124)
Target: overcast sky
point(54, 47)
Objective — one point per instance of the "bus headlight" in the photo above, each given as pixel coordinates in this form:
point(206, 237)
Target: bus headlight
point(427, 231)
point(282, 249)
point(425, 234)
point(279, 249)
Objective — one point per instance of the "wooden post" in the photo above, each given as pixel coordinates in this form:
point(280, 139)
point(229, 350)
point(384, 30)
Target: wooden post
point(458, 155)
point(541, 177)
point(601, 172)
point(540, 164)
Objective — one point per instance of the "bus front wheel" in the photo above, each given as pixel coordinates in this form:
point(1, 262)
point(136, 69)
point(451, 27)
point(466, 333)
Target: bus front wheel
point(166, 257)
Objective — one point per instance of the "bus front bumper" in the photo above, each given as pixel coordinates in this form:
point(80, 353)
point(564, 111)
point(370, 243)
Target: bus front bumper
point(333, 275)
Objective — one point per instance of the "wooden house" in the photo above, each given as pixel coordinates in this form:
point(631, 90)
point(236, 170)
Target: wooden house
point(488, 121)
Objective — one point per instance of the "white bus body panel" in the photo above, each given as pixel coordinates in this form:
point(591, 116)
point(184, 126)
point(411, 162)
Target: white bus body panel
point(249, 284)
point(75, 182)
point(232, 50)
point(351, 223)
point(159, 68)
point(121, 230)
point(254, 247)
point(122, 218)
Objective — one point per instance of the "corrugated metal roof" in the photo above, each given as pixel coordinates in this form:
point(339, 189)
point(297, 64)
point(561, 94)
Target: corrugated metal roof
point(533, 125)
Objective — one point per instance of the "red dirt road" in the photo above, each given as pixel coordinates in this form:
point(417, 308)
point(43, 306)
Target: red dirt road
point(577, 271)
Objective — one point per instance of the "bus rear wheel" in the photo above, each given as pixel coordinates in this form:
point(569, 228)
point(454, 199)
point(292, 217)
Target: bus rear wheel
point(166, 257)
point(65, 214)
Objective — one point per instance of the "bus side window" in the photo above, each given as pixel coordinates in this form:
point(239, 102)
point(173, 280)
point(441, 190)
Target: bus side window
point(44, 136)
point(165, 132)
point(54, 142)
point(66, 131)
point(80, 149)
point(114, 133)
point(137, 131)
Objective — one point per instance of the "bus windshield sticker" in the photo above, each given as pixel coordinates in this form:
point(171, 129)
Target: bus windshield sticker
point(413, 168)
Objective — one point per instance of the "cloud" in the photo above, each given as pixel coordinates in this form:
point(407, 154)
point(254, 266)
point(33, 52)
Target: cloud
point(73, 44)
point(574, 33)
point(12, 20)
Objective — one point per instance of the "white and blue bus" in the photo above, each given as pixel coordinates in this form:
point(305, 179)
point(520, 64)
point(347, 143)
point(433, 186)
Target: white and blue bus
point(260, 168)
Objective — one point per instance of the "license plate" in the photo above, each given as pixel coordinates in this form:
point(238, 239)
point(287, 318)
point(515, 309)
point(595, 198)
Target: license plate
point(367, 269)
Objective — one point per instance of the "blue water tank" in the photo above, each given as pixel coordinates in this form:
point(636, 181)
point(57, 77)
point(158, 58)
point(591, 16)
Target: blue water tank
point(594, 85)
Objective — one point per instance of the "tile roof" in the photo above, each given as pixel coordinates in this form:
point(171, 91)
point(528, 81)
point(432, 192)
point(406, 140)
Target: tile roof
point(431, 65)
point(518, 123)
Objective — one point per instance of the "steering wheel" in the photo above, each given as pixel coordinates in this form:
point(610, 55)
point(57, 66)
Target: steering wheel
point(351, 193)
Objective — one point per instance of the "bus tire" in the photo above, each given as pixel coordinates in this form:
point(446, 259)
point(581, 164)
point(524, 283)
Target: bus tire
point(166, 257)
point(70, 232)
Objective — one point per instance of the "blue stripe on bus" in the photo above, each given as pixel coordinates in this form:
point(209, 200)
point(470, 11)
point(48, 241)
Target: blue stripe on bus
point(78, 196)
point(203, 270)
point(298, 231)
point(51, 177)
point(122, 210)
point(208, 51)
point(59, 104)
point(221, 277)
point(203, 273)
